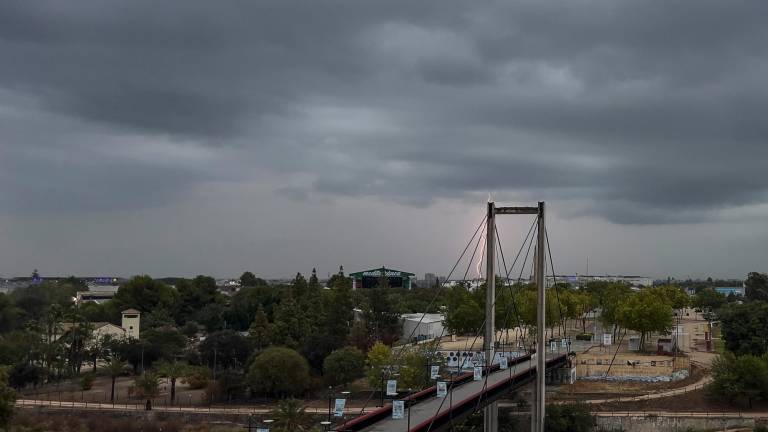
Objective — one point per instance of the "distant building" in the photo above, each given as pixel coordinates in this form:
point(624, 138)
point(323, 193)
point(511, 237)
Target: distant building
point(370, 278)
point(97, 294)
point(737, 291)
point(129, 328)
point(635, 281)
point(100, 330)
point(228, 286)
point(422, 326)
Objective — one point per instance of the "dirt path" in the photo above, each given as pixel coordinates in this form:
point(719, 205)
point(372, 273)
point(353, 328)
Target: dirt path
point(706, 379)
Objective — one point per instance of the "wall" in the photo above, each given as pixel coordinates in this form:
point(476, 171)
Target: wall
point(652, 423)
point(597, 364)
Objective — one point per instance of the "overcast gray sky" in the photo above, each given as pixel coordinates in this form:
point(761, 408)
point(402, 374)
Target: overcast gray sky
point(185, 137)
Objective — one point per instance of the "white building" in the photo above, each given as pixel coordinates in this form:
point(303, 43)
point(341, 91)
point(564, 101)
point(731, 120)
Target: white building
point(422, 326)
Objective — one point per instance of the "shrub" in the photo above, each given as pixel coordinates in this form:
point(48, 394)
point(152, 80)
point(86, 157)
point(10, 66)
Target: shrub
point(584, 336)
point(279, 372)
point(343, 366)
point(86, 382)
point(197, 377)
point(569, 418)
point(148, 384)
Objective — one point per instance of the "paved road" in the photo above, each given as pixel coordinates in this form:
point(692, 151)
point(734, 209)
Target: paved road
point(425, 410)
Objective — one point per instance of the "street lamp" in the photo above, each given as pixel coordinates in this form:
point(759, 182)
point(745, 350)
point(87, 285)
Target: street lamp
point(409, 403)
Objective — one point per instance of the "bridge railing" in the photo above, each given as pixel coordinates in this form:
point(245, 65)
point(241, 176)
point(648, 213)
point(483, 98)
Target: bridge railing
point(377, 415)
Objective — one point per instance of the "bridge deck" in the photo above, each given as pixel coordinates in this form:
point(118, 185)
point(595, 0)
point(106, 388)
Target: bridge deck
point(422, 412)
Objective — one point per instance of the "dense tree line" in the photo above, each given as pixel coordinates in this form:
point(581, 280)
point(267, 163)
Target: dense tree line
point(645, 311)
point(192, 331)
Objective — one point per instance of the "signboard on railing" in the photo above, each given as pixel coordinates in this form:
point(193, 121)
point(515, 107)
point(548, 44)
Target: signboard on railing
point(442, 389)
point(338, 410)
point(391, 387)
point(398, 410)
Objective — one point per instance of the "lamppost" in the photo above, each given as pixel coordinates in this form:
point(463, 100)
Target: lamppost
point(408, 403)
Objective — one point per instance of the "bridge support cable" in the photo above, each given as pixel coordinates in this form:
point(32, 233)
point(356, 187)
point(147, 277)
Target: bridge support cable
point(493, 411)
point(490, 420)
point(520, 329)
point(563, 322)
point(482, 326)
point(436, 296)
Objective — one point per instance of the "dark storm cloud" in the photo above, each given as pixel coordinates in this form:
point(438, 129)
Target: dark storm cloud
point(651, 113)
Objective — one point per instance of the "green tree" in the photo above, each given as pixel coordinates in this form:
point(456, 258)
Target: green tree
point(289, 326)
point(290, 416)
point(248, 279)
point(339, 314)
point(260, 330)
point(608, 296)
point(173, 371)
point(314, 282)
point(148, 384)
point(344, 366)
point(299, 285)
point(737, 378)
point(7, 399)
point(225, 349)
point(145, 294)
point(709, 300)
point(745, 327)
point(378, 361)
point(416, 368)
point(280, 372)
point(645, 312)
point(675, 296)
point(359, 336)
point(463, 314)
point(339, 280)
point(115, 368)
point(756, 286)
point(9, 314)
point(381, 315)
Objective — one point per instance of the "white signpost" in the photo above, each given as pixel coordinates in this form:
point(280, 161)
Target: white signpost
point(564, 343)
point(434, 372)
point(607, 339)
point(478, 373)
point(553, 346)
point(442, 389)
point(503, 362)
point(339, 407)
point(391, 387)
point(398, 410)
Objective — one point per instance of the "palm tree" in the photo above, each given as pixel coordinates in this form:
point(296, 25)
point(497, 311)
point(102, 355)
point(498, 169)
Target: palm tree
point(172, 370)
point(291, 416)
point(148, 383)
point(115, 368)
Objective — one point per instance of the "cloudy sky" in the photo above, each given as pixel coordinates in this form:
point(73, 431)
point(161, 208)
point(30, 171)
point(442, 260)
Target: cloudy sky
point(185, 137)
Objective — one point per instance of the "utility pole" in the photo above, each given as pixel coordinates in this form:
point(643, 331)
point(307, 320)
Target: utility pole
point(491, 412)
point(537, 423)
